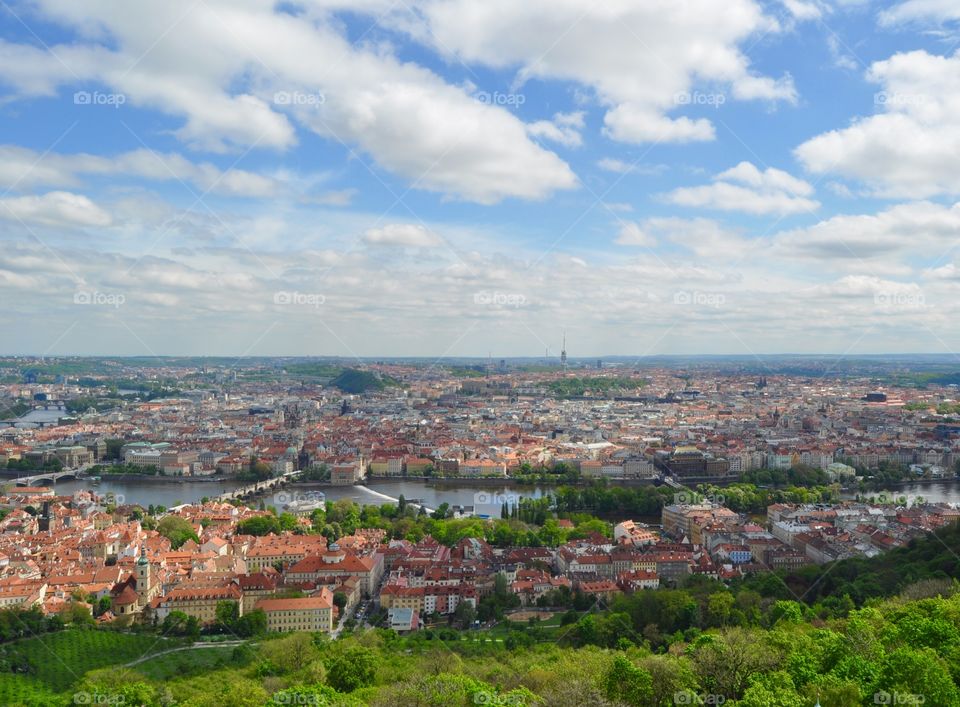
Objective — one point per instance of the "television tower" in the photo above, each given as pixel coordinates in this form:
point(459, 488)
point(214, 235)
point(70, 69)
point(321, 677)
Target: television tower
point(563, 352)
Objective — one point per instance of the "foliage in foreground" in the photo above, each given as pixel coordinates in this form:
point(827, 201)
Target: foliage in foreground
point(898, 651)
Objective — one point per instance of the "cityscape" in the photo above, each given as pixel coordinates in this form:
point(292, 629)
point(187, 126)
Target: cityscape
point(445, 353)
point(469, 496)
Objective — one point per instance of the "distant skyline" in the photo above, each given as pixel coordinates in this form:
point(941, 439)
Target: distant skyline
point(466, 178)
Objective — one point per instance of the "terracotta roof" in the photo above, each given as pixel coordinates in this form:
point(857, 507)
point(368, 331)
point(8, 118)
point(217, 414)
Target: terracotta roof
point(299, 604)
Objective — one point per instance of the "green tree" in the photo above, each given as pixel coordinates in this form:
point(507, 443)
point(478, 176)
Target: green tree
point(291, 653)
point(103, 605)
point(177, 530)
point(78, 614)
point(227, 613)
point(910, 671)
point(627, 683)
point(771, 690)
point(464, 615)
point(352, 669)
point(719, 606)
point(253, 623)
point(259, 525)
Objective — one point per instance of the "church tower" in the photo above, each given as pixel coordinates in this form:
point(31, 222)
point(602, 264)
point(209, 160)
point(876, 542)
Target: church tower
point(143, 572)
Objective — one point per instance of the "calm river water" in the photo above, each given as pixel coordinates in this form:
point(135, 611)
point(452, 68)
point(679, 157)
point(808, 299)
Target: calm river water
point(486, 499)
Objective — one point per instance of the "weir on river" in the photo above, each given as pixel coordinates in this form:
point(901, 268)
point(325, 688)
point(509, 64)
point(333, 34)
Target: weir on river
point(397, 500)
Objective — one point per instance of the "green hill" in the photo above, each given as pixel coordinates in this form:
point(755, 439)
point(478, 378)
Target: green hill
point(353, 380)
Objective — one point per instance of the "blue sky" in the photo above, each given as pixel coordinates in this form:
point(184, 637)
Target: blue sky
point(462, 177)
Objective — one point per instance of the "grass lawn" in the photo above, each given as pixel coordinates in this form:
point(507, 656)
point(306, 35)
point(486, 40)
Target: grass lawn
point(186, 662)
point(58, 661)
point(19, 690)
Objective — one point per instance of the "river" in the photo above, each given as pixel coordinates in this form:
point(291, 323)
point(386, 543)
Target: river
point(486, 499)
point(932, 492)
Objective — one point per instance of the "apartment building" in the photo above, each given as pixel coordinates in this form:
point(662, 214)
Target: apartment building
point(301, 614)
point(200, 602)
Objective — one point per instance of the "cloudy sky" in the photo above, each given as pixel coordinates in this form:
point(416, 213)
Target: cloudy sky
point(464, 177)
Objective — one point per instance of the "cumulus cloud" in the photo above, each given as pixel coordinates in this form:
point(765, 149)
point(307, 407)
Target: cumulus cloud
point(923, 226)
point(339, 197)
point(911, 146)
point(244, 75)
point(920, 10)
point(804, 9)
point(631, 233)
point(56, 208)
point(402, 234)
point(637, 57)
point(21, 168)
point(746, 188)
point(703, 237)
point(611, 164)
point(564, 128)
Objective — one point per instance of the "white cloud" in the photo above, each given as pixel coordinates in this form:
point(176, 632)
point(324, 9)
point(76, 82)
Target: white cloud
point(402, 234)
point(339, 197)
point(842, 57)
point(746, 188)
point(564, 128)
point(636, 57)
point(629, 123)
point(632, 234)
point(804, 9)
point(610, 164)
point(910, 148)
point(705, 238)
point(920, 10)
point(21, 168)
point(914, 227)
point(226, 63)
point(56, 208)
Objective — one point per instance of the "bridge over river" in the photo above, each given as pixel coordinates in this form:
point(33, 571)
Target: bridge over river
point(259, 487)
point(50, 477)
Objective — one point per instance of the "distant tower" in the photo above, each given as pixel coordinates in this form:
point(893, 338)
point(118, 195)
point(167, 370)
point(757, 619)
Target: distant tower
point(563, 353)
point(143, 571)
point(45, 521)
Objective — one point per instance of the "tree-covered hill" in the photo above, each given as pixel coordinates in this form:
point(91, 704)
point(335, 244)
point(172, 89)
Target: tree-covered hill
point(355, 381)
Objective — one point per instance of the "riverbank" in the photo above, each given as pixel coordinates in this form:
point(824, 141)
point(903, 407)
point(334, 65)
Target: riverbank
point(146, 478)
point(499, 481)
